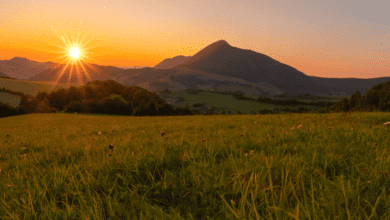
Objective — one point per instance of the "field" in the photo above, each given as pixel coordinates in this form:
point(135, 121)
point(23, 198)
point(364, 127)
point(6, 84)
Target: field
point(291, 166)
point(228, 102)
point(13, 100)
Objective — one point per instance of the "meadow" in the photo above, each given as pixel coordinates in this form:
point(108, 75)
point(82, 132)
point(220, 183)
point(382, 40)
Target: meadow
point(228, 102)
point(13, 100)
point(286, 166)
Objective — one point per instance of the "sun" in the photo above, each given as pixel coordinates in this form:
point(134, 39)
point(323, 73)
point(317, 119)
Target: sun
point(74, 55)
point(74, 52)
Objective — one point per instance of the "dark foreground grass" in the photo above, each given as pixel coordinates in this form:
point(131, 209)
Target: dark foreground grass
point(293, 166)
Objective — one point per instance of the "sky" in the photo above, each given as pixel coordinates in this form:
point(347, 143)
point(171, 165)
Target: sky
point(325, 38)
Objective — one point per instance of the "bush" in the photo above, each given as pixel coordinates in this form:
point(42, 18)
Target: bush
point(73, 107)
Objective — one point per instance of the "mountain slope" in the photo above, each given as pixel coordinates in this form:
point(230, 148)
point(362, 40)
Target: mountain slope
point(3, 75)
point(22, 68)
point(171, 62)
point(218, 66)
point(223, 59)
point(76, 75)
point(349, 85)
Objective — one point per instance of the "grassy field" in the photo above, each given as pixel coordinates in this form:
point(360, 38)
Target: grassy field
point(13, 100)
point(292, 166)
point(228, 102)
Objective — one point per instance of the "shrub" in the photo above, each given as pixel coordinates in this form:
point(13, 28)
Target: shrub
point(73, 107)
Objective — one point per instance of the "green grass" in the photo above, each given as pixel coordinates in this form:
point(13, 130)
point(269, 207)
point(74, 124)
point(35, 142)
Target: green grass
point(13, 100)
point(57, 166)
point(228, 102)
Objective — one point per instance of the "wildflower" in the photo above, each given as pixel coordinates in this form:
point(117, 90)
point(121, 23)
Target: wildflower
point(109, 154)
point(23, 148)
point(204, 140)
point(292, 128)
point(251, 152)
point(246, 155)
point(162, 133)
point(386, 123)
point(118, 162)
point(23, 155)
point(299, 126)
point(255, 122)
point(351, 129)
point(99, 133)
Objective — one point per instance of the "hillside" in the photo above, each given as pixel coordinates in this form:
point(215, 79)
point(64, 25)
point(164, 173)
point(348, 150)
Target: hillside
point(218, 66)
point(2, 75)
point(22, 68)
point(171, 62)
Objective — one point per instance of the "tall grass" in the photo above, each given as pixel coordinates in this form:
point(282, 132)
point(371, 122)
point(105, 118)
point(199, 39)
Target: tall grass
point(58, 166)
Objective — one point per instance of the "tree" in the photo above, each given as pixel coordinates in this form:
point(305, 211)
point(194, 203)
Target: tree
point(73, 107)
point(355, 101)
point(42, 95)
point(44, 106)
point(384, 104)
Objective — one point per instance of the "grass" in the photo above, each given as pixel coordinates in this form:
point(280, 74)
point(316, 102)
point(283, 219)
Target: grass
point(57, 166)
point(228, 102)
point(13, 100)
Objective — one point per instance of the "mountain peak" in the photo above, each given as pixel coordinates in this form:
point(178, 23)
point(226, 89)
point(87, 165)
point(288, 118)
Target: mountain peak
point(171, 62)
point(220, 43)
point(19, 58)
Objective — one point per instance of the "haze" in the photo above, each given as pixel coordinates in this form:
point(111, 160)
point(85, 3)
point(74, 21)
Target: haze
point(338, 39)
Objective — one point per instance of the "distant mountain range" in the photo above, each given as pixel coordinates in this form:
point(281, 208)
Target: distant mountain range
point(132, 67)
point(3, 75)
point(171, 62)
point(22, 68)
point(218, 66)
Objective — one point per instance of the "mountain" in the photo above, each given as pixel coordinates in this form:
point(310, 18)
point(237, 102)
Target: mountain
point(22, 68)
point(3, 75)
point(222, 59)
point(72, 74)
point(171, 62)
point(218, 66)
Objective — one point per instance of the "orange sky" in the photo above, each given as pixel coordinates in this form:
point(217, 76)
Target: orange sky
point(319, 38)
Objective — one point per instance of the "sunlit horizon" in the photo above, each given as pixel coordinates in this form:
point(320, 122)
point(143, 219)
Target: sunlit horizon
point(331, 39)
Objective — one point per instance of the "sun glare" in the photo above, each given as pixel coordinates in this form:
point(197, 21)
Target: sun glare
point(74, 52)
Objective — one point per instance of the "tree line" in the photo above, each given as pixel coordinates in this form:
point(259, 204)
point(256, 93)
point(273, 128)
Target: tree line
point(376, 99)
point(96, 97)
point(112, 98)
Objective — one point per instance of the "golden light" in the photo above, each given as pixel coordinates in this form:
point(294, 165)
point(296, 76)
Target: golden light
point(74, 52)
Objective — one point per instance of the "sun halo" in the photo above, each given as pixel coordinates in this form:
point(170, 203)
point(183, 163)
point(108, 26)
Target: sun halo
point(74, 52)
